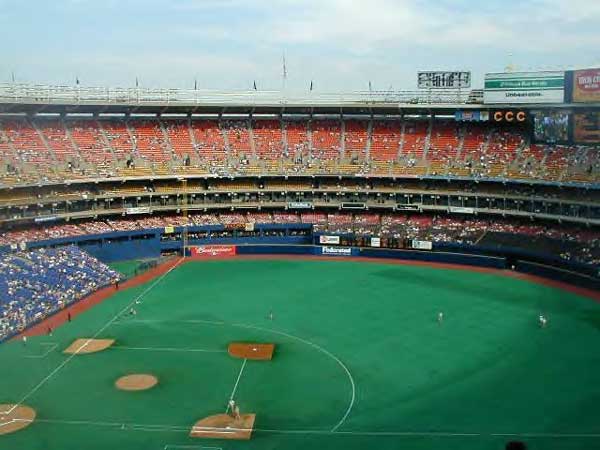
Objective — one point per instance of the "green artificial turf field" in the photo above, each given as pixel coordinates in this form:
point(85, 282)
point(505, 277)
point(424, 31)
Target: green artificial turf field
point(127, 268)
point(361, 362)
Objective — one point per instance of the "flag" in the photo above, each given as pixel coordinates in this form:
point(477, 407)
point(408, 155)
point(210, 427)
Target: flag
point(77, 81)
point(370, 86)
point(284, 68)
point(255, 85)
point(195, 85)
point(137, 83)
point(12, 75)
point(311, 85)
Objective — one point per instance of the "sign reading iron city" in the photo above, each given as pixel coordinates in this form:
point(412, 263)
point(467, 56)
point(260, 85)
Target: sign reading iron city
point(444, 80)
point(524, 87)
point(586, 86)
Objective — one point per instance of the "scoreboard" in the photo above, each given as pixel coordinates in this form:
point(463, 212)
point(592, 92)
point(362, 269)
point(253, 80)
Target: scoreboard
point(444, 80)
point(586, 127)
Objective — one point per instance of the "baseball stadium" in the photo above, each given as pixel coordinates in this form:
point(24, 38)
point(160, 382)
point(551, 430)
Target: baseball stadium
point(211, 269)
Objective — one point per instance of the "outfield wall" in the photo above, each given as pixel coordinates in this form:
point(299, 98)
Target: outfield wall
point(152, 243)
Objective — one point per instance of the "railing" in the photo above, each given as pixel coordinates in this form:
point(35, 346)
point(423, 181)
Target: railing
point(29, 93)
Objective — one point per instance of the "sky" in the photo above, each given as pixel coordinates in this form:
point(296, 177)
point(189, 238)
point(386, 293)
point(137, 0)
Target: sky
point(339, 45)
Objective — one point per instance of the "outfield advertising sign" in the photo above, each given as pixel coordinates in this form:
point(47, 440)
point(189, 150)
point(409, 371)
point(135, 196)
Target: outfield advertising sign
point(421, 245)
point(329, 240)
point(524, 88)
point(336, 251)
point(213, 251)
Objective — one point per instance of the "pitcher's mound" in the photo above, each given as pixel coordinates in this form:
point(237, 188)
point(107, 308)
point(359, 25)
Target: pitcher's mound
point(223, 426)
point(83, 345)
point(16, 419)
point(136, 382)
point(247, 350)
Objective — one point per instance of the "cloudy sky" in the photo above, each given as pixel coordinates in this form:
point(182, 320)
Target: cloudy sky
point(339, 44)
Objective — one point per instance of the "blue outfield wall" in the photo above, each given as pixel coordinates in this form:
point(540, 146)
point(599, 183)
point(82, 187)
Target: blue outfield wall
point(149, 244)
point(111, 247)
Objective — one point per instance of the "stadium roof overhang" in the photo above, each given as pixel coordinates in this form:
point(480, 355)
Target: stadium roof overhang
point(33, 108)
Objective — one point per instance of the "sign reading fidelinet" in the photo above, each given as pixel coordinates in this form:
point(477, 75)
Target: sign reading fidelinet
point(524, 87)
point(336, 251)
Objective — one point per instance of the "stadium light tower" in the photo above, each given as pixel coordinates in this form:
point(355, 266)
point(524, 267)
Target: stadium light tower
point(510, 67)
point(284, 77)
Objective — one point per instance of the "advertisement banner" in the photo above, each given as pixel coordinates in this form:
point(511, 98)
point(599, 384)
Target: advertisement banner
point(45, 219)
point(329, 240)
point(336, 251)
point(586, 127)
point(461, 210)
point(586, 86)
point(213, 251)
point(472, 116)
point(422, 245)
point(300, 205)
point(138, 210)
point(524, 87)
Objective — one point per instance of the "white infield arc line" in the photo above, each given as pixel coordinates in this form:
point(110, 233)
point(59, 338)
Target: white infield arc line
point(104, 327)
point(327, 353)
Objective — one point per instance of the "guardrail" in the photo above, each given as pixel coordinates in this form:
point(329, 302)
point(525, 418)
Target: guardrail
point(33, 93)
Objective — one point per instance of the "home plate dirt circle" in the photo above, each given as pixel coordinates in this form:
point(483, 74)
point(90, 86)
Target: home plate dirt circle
point(136, 382)
point(14, 418)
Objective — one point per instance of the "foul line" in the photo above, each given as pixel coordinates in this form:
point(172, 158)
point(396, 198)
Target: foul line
point(181, 429)
point(236, 384)
point(109, 323)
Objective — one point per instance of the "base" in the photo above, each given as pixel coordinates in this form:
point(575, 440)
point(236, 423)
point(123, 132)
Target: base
point(83, 345)
point(256, 352)
point(223, 426)
point(15, 417)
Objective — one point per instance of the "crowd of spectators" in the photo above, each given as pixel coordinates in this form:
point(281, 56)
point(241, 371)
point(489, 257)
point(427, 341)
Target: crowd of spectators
point(583, 243)
point(105, 149)
point(35, 284)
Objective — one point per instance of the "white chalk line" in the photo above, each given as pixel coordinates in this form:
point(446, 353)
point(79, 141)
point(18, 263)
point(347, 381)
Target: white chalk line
point(51, 347)
point(326, 352)
point(235, 386)
point(200, 447)
point(304, 341)
point(104, 327)
point(182, 428)
point(168, 349)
